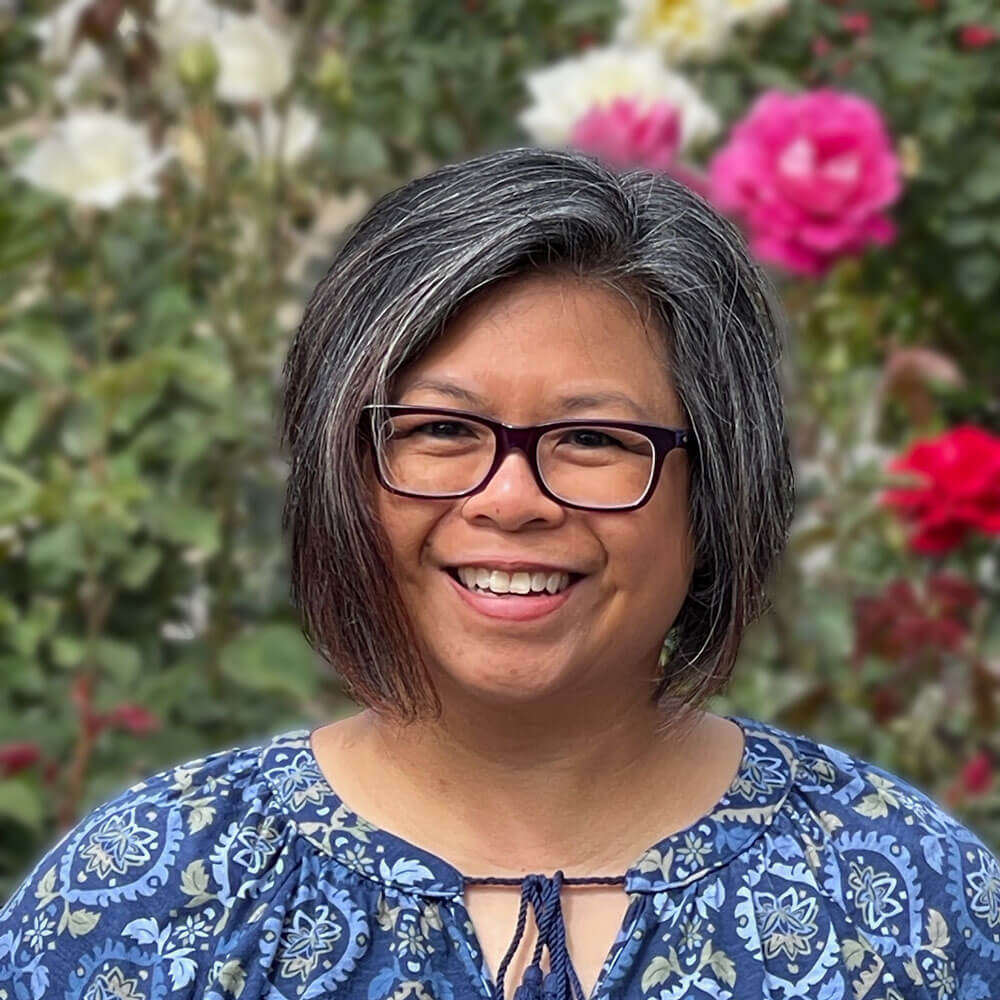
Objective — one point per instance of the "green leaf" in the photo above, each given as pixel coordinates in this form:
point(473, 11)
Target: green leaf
point(119, 658)
point(273, 659)
point(978, 275)
point(67, 650)
point(139, 566)
point(966, 232)
point(26, 633)
point(58, 552)
point(185, 524)
point(984, 184)
point(23, 422)
point(22, 802)
point(362, 152)
point(447, 135)
point(23, 674)
point(18, 492)
point(41, 345)
point(81, 431)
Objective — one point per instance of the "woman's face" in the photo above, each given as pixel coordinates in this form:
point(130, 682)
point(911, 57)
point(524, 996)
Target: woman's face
point(520, 348)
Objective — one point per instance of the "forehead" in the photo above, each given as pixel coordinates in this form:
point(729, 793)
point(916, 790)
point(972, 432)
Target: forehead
point(543, 335)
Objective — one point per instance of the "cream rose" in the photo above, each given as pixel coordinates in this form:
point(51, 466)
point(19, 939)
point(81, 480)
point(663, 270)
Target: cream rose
point(94, 158)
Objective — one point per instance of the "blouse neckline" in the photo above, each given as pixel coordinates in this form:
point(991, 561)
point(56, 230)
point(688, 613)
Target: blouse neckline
point(755, 796)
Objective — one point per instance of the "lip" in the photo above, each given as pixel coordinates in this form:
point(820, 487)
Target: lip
point(512, 608)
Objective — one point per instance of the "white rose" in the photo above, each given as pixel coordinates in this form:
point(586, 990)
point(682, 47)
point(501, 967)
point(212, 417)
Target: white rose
point(95, 158)
point(682, 29)
point(255, 61)
point(563, 92)
point(180, 22)
point(273, 138)
point(753, 11)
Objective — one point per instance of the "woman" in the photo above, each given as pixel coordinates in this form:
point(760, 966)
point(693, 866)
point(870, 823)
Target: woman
point(539, 478)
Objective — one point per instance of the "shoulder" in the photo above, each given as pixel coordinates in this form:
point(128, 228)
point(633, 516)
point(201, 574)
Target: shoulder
point(922, 887)
point(142, 882)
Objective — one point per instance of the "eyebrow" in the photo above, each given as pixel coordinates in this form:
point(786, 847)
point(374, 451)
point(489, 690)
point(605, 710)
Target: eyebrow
point(564, 404)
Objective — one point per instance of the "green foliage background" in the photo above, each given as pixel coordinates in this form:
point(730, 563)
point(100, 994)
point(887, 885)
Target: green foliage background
point(140, 481)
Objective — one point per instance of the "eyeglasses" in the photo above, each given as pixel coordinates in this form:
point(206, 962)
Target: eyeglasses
point(435, 453)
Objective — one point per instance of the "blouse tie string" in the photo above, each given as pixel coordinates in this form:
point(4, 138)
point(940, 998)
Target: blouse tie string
point(561, 981)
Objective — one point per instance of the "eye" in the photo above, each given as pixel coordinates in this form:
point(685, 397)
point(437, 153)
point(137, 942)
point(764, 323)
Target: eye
point(455, 428)
point(593, 438)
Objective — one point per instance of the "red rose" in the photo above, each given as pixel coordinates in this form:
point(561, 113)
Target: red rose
point(906, 626)
point(960, 491)
point(977, 774)
point(976, 36)
point(952, 595)
point(137, 719)
point(16, 757)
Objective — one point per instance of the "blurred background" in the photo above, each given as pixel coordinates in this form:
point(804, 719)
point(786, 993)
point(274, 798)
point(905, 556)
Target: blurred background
point(176, 176)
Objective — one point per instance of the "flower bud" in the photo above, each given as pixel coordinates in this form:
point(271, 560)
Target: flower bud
point(332, 77)
point(197, 65)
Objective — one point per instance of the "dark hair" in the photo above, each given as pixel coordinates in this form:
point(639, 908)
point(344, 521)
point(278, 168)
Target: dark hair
point(418, 256)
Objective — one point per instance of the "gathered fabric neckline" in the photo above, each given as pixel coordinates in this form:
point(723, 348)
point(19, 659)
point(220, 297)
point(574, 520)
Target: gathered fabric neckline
point(755, 795)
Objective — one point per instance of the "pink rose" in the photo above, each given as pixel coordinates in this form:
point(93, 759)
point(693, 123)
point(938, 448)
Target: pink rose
point(821, 46)
point(856, 23)
point(625, 133)
point(811, 174)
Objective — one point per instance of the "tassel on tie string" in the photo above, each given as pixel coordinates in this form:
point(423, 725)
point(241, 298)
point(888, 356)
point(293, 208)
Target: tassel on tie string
point(561, 981)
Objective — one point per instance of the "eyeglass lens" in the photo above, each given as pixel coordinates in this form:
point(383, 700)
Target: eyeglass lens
point(593, 465)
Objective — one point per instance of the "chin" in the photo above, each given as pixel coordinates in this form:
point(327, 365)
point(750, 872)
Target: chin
point(503, 684)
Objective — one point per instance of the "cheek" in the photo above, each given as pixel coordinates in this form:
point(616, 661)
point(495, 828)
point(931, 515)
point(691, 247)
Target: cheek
point(408, 525)
point(658, 543)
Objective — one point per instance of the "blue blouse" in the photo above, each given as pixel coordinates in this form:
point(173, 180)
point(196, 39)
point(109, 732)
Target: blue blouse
point(243, 876)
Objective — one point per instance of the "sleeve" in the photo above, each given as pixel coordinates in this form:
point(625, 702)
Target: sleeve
point(924, 888)
point(119, 907)
point(961, 876)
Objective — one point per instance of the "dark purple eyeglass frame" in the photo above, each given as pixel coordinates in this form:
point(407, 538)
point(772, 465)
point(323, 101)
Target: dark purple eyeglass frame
point(509, 437)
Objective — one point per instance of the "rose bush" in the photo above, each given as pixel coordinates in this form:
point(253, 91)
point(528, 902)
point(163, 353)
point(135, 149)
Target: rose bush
point(149, 285)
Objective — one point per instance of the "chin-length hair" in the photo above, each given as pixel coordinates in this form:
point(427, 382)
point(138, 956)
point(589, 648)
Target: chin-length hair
point(417, 257)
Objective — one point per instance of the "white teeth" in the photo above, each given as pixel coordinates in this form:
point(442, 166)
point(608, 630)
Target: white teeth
point(520, 582)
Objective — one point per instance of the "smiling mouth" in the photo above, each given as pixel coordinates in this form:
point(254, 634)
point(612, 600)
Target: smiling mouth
point(452, 571)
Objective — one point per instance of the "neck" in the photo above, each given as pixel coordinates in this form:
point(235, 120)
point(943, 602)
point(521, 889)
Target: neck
point(527, 791)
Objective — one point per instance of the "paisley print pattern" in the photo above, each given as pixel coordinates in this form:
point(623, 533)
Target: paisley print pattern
point(243, 876)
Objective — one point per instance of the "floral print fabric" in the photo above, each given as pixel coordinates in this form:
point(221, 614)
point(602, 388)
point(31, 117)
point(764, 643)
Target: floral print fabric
point(243, 875)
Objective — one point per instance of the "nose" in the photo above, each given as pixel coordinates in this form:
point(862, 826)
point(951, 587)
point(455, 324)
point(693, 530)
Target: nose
point(512, 496)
